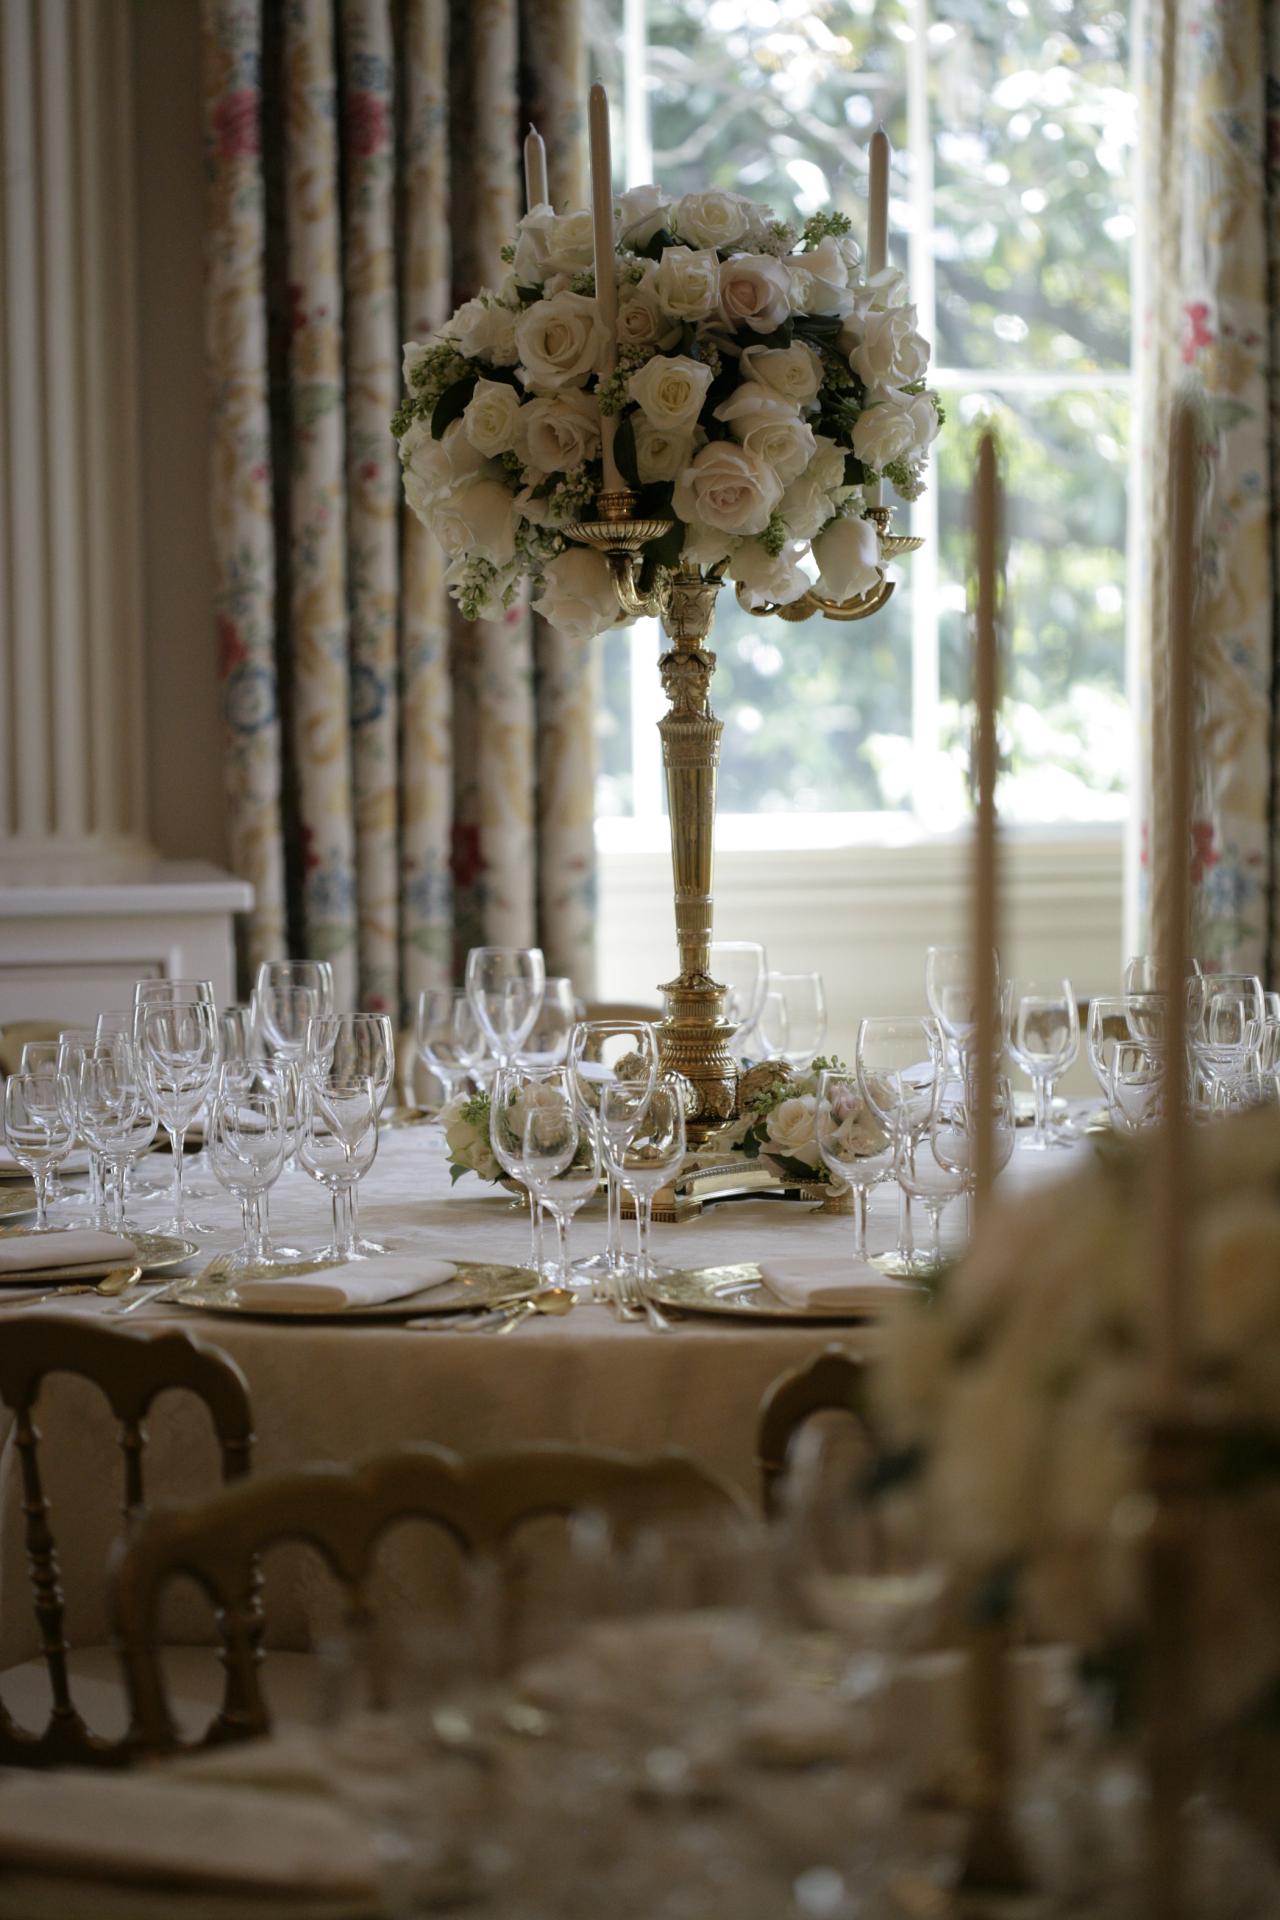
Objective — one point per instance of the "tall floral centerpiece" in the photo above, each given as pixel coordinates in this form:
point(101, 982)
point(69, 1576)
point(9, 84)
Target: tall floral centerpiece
point(660, 394)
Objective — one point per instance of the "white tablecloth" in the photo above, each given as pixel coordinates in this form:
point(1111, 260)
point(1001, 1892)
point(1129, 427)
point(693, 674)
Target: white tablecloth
point(343, 1392)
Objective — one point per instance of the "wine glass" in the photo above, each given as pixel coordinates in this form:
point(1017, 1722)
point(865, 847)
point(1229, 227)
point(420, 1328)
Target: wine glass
point(238, 1033)
point(504, 986)
point(73, 1044)
point(115, 1113)
point(854, 1146)
point(248, 1136)
point(599, 1050)
point(546, 1045)
point(315, 974)
point(41, 1056)
point(39, 1131)
point(1225, 1015)
point(350, 1047)
point(952, 994)
point(644, 1138)
point(515, 1091)
point(953, 1132)
point(560, 1162)
point(1106, 1029)
point(337, 1145)
point(793, 1019)
point(1136, 1083)
point(741, 966)
point(160, 992)
point(178, 1054)
point(443, 1025)
point(929, 1178)
point(1044, 1038)
point(898, 1060)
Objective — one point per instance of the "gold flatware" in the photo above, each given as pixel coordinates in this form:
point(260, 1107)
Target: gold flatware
point(118, 1280)
point(552, 1300)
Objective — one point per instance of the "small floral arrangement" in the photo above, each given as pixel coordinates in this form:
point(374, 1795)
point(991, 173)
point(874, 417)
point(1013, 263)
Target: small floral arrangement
point(466, 1132)
point(778, 1120)
point(761, 380)
point(1016, 1396)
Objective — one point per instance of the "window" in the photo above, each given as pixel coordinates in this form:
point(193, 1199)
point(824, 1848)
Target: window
point(1013, 127)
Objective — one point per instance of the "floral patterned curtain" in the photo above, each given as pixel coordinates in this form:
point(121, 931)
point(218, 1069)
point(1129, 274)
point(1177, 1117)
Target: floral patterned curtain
point(1210, 72)
point(401, 785)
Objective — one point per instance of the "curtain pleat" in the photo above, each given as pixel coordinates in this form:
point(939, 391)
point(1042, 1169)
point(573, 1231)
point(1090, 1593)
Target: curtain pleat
point(434, 777)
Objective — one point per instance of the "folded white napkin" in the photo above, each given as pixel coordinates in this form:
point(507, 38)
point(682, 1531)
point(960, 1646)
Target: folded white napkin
point(813, 1282)
point(81, 1248)
point(348, 1287)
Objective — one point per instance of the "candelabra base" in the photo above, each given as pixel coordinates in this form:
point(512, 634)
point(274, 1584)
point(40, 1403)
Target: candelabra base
point(693, 1040)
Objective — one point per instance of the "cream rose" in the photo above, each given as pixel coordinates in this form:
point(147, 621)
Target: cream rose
point(482, 329)
point(728, 487)
point(578, 597)
point(791, 1129)
point(432, 468)
point(704, 546)
point(688, 284)
point(820, 279)
point(768, 578)
point(477, 519)
point(806, 506)
point(755, 292)
point(669, 391)
point(467, 1146)
point(660, 453)
point(894, 428)
point(641, 213)
point(563, 430)
point(890, 353)
point(492, 421)
point(769, 426)
point(876, 294)
point(794, 372)
point(560, 341)
point(827, 466)
point(712, 219)
point(642, 321)
point(848, 557)
point(549, 242)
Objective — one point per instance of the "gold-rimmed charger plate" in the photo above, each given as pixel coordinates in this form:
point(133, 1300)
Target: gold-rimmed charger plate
point(395, 1119)
point(473, 1288)
point(742, 1293)
point(16, 1199)
point(156, 1253)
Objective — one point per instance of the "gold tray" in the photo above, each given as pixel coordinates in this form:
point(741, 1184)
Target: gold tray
point(741, 1293)
point(157, 1252)
point(472, 1289)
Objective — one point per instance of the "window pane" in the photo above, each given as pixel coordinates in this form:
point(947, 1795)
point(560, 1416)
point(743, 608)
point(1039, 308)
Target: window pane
point(1067, 722)
point(1033, 218)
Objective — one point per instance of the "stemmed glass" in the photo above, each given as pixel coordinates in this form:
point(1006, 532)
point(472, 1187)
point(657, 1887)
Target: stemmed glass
point(238, 1033)
point(115, 1113)
point(1044, 1038)
point(504, 986)
point(600, 1050)
point(247, 1139)
point(74, 1044)
point(847, 1133)
point(953, 1133)
point(898, 1061)
point(1225, 1015)
point(178, 1055)
point(514, 1092)
point(793, 1020)
point(41, 1056)
point(121, 1023)
point(644, 1140)
point(1106, 1029)
point(1135, 1087)
point(152, 992)
point(546, 1045)
point(348, 1047)
point(317, 975)
point(560, 1161)
point(952, 994)
point(337, 1145)
point(39, 1129)
point(447, 1036)
point(741, 966)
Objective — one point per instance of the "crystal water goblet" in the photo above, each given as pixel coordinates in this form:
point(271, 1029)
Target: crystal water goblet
point(74, 1043)
point(504, 986)
point(952, 994)
point(348, 1047)
point(953, 1132)
point(164, 992)
point(599, 1051)
point(178, 1054)
point(122, 1022)
point(546, 1045)
point(1106, 1029)
point(898, 1060)
point(283, 1008)
point(931, 1179)
point(1225, 1016)
point(514, 1092)
point(560, 1160)
point(1136, 1087)
point(238, 1034)
point(741, 966)
point(437, 1036)
point(41, 1056)
point(248, 1137)
point(1044, 1037)
point(38, 1131)
point(116, 1114)
point(855, 1147)
point(793, 1020)
point(337, 1145)
point(317, 975)
point(644, 1136)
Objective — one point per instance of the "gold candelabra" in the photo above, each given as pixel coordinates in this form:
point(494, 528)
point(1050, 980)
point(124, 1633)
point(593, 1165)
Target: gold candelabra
point(694, 1036)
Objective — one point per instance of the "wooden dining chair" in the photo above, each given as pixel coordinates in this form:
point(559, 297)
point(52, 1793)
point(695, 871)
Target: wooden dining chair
point(130, 1367)
point(833, 1381)
point(344, 1512)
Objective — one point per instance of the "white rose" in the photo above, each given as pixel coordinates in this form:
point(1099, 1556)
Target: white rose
point(661, 454)
point(826, 278)
point(890, 353)
point(414, 353)
point(876, 294)
point(670, 390)
point(563, 430)
point(477, 520)
point(467, 1147)
point(570, 242)
point(893, 428)
point(794, 372)
point(848, 557)
point(755, 292)
point(769, 426)
point(806, 505)
point(704, 546)
point(768, 578)
point(560, 341)
point(492, 420)
point(529, 265)
point(434, 467)
point(641, 320)
point(712, 219)
point(727, 487)
point(827, 466)
point(482, 329)
point(578, 597)
point(642, 212)
point(791, 1130)
point(687, 283)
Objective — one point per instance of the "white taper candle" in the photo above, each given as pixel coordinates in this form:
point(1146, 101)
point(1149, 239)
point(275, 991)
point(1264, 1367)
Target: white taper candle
point(606, 283)
point(877, 233)
point(987, 506)
point(536, 193)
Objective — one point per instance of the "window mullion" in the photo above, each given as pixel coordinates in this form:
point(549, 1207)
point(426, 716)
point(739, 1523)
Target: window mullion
point(925, 684)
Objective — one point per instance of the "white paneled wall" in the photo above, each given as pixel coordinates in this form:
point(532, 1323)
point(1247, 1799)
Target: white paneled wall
point(71, 773)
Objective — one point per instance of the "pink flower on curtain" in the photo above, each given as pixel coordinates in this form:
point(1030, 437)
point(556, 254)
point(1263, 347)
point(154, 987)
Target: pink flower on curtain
point(368, 129)
point(1204, 855)
point(235, 124)
point(1196, 332)
point(467, 862)
point(232, 651)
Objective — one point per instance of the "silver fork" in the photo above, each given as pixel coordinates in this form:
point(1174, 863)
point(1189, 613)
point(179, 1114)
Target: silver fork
point(218, 1265)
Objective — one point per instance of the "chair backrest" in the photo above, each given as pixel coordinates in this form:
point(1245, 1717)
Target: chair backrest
point(833, 1381)
point(130, 1367)
point(343, 1512)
